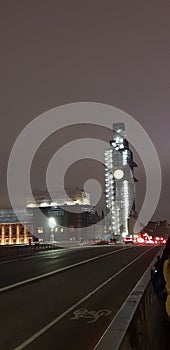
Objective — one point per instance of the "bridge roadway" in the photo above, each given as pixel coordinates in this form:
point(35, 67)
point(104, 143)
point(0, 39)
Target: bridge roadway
point(65, 299)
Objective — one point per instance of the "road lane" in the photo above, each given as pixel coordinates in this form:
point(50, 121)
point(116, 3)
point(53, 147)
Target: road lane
point(28, 309)
point(25, 268)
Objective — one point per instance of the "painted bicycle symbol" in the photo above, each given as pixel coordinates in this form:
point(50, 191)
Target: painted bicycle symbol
point(93, 315)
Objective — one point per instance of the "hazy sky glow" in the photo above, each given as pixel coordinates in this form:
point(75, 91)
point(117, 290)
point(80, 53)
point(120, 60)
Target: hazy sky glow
point(112, 52)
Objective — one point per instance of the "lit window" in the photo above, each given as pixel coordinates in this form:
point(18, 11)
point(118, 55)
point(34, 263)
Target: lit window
point(40, 230)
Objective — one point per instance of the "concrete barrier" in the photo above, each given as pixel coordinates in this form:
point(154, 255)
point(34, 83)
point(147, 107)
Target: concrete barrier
point(137, 325)
point(12, 250)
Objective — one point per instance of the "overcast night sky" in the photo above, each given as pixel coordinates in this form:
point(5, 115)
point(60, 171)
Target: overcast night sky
point(59, 52)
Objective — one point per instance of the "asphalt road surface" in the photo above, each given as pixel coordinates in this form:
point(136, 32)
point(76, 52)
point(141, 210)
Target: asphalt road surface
point(65, 299)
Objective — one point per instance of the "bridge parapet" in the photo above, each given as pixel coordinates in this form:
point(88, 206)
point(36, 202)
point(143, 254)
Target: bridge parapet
point(137, 325)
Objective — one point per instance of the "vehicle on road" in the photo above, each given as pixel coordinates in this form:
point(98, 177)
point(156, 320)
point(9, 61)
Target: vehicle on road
point(128, 240)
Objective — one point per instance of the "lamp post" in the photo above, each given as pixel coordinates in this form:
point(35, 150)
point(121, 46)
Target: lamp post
point(52, 224)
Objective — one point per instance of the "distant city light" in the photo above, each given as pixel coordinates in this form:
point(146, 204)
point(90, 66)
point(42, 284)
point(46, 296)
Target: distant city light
point(52, 222)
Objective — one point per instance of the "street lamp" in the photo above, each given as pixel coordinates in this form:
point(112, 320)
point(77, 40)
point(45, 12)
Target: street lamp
point(52, 224)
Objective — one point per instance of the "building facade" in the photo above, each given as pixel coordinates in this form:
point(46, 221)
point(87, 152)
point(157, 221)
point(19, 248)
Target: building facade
point(64, 218)
point(12, 231)
point(60, 219)
point(119, 183)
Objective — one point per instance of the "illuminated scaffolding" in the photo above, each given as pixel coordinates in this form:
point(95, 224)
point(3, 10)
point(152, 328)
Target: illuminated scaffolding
point(119, 182)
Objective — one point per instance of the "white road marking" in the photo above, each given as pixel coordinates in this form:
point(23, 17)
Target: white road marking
point(48, 274)
point(49, 253)
point(92, 315)
point(57, 319)
point(106, 340)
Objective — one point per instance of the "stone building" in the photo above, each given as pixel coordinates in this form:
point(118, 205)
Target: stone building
point(12, 231)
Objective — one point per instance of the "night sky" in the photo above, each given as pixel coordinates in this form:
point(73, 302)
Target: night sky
point(59, 52)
